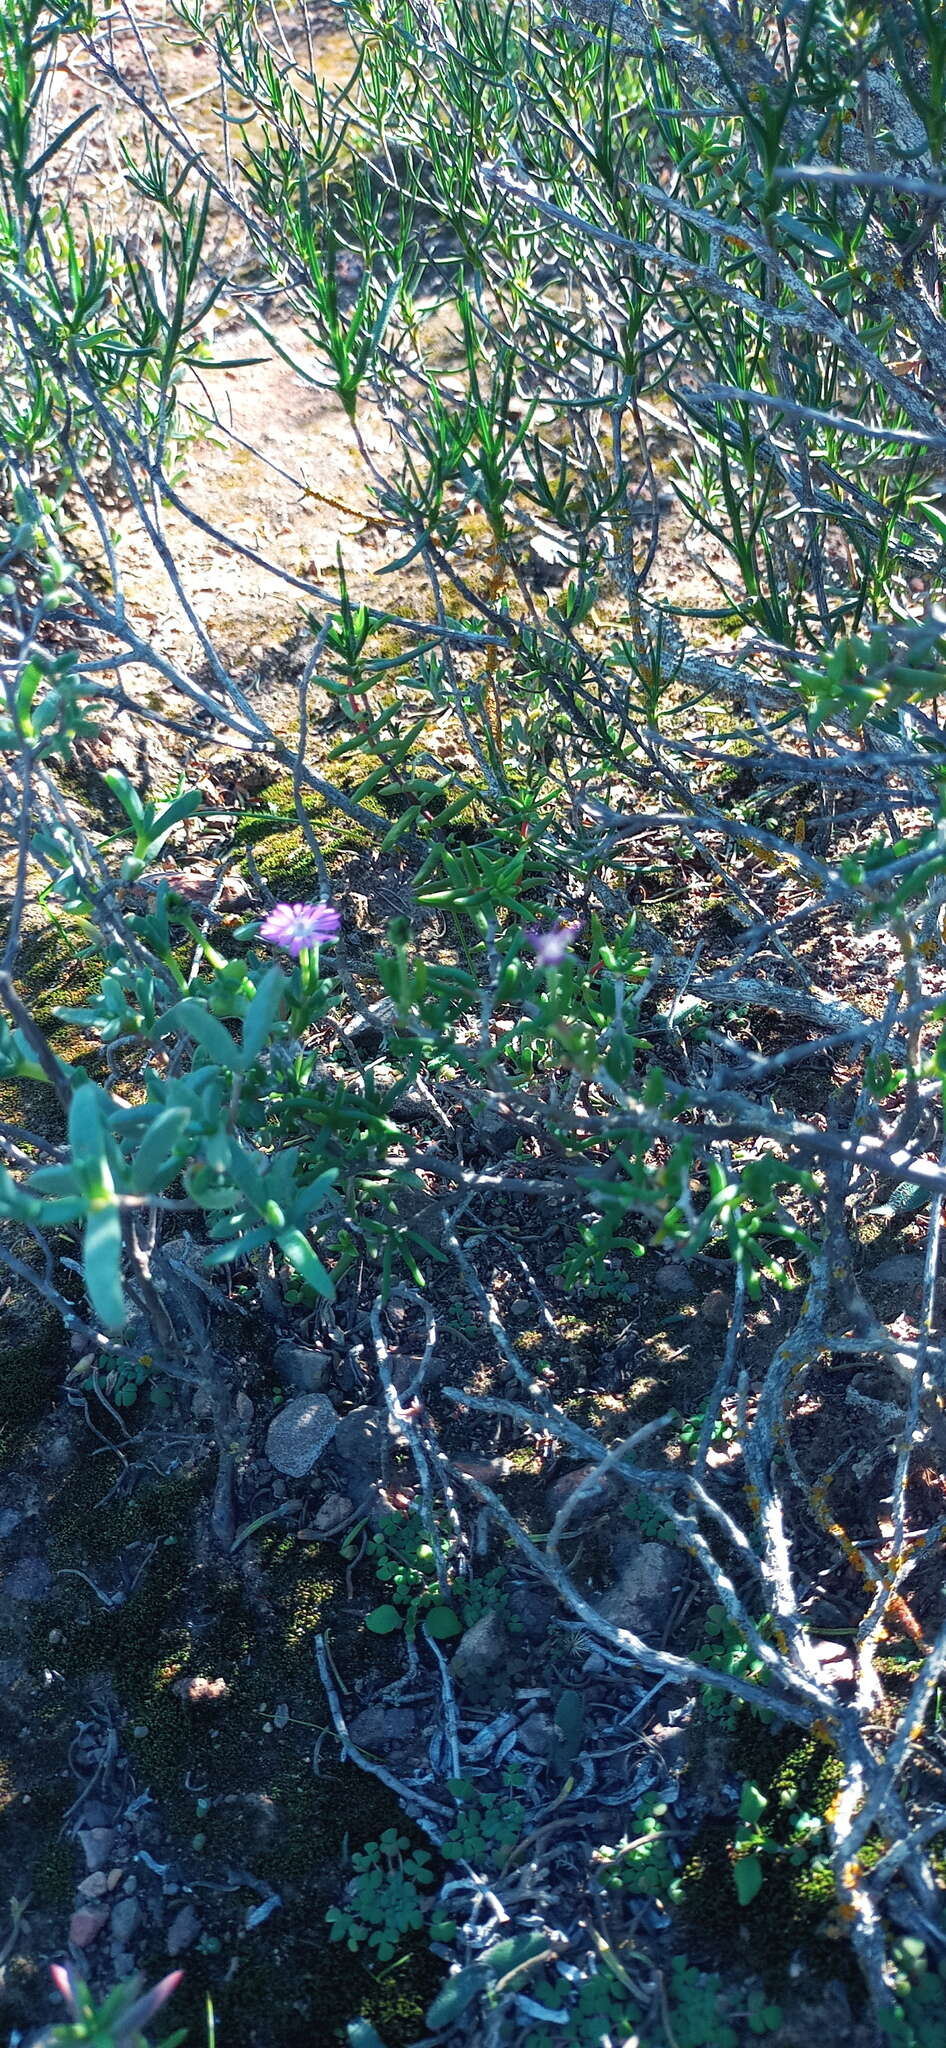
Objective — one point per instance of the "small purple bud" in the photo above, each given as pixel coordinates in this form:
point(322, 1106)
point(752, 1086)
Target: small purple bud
point(63, 1982)
point(150, 2002)
point(551, 947)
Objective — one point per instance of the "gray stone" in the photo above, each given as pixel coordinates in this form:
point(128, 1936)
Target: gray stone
point(126, 1916)
point(96, 1846)
point(297, 1365)
point(538, 1734)
point(534, 1609)
point(834, 1661)
point(359, 1447)
point(331, 1515)
point(377, 1728)
point(715, 1309)
point(641, 1594)
point(94, 1886)
point(822, 2014)
point(481, 1651)
point(905, 1269)
point(299, 1434)
point(673, 1278)
point(183, 1931)
point(10, 1519)
point(94, 1814)
point(567, 1483)
point(30, 1579)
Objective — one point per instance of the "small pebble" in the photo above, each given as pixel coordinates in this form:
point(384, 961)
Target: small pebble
point(86, 1924)
point(114, 1879)
point(125, 1918)
point(94, 1886)
point(96, 1844)
point(715, 1309)
point(673, 1278)
point(183, 1931)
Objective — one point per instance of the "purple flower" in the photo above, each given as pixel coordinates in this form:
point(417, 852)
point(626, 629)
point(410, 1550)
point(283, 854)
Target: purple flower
point(299, 926)
point(551, 947)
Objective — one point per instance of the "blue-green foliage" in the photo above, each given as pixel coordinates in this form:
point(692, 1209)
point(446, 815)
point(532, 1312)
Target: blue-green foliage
point(488, 1824)
point(700, 2012)
point(918, 2016)
point(386, 1901)
point(641, 1864)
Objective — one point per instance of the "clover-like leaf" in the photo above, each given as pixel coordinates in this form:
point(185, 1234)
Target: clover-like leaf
point(441, 1623)
point(383, 1621)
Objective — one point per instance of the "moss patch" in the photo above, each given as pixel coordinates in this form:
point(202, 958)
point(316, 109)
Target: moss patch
point(246, 1803)
point(279, 845)
point(34, 1348)
point(795, 1905)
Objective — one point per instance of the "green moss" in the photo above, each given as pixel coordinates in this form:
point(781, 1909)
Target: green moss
point(278, 842)
point(54, 972)
point(794, 1906)
point(398, 2012)
point(54, 1877)
point(83, 1523)
point(34, 1349)
point(30, 1374)
point(269, 1800)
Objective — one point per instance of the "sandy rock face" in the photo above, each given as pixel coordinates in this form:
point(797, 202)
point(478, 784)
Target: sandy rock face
point(299, 1434)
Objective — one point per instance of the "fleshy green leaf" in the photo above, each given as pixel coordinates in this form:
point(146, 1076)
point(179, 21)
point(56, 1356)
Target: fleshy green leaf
point(127, 796)
point(260, 1017)
point(298, 1251)
point(193, 1016)
point(102, 1265)
point(459, 1991)
point(752, 1802)
point(747, 1875)
point(156, 1150)
point(361, 2034)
